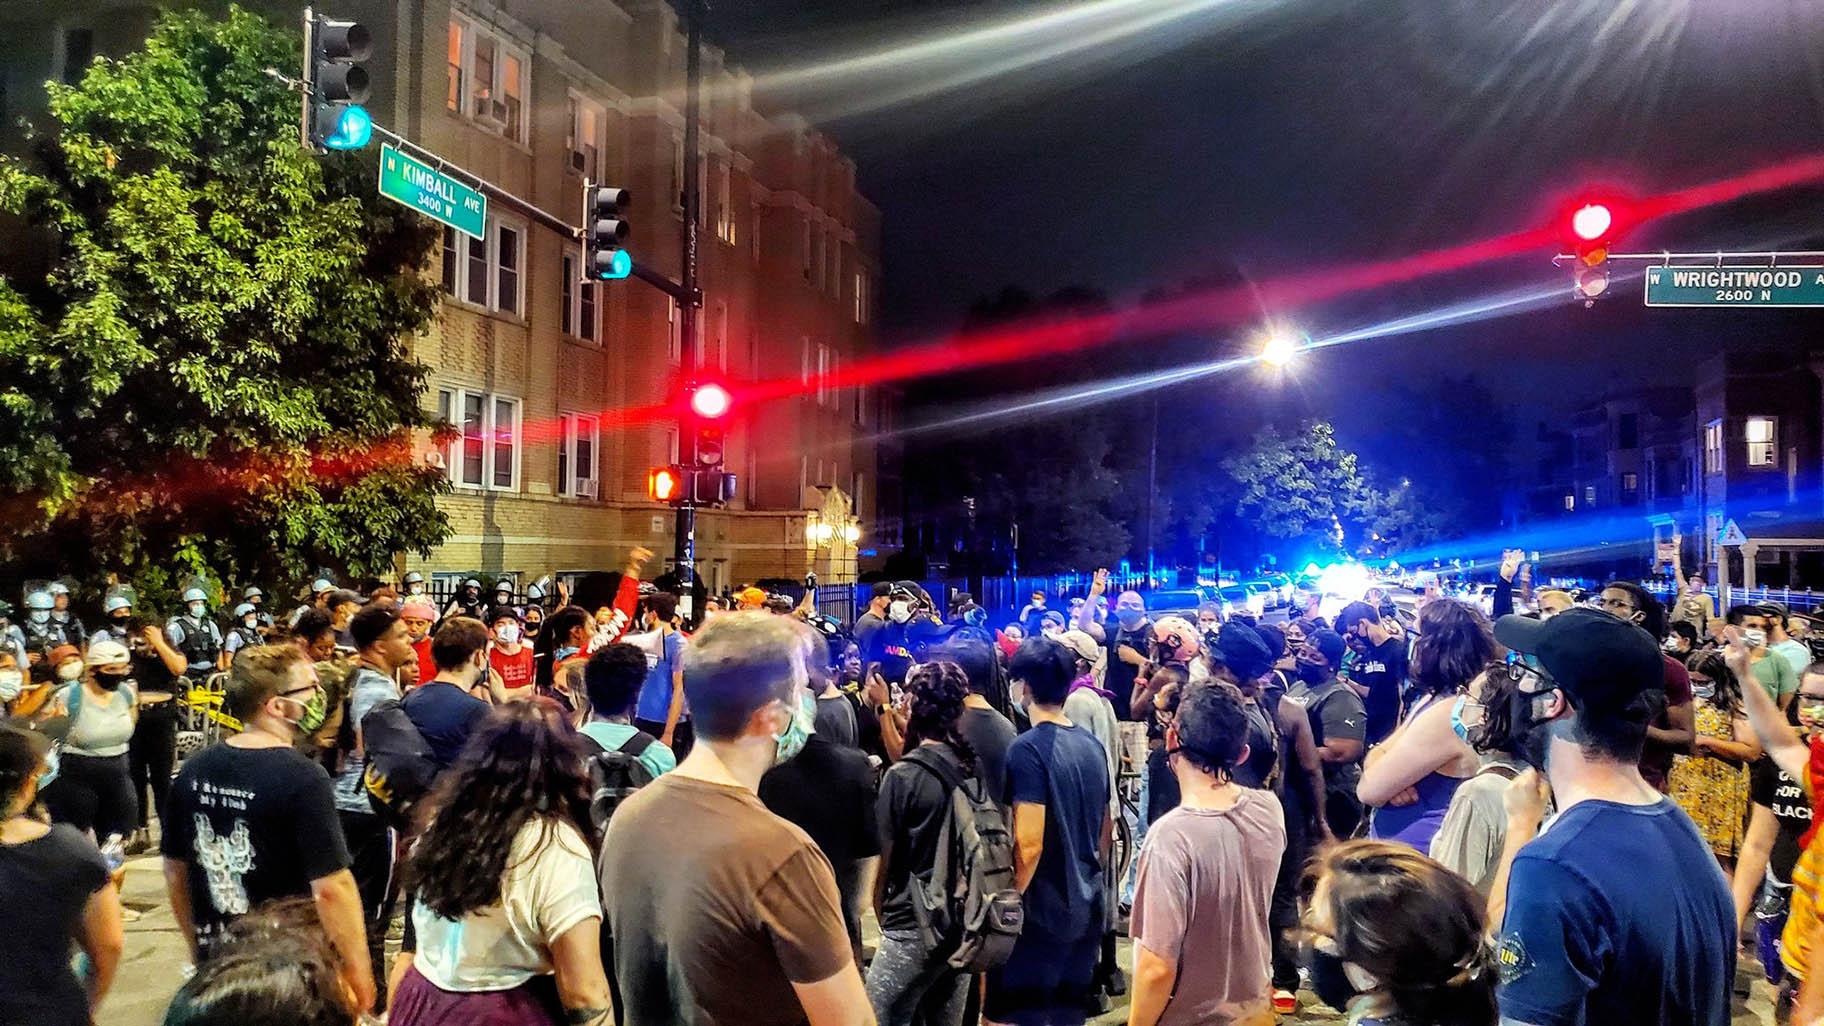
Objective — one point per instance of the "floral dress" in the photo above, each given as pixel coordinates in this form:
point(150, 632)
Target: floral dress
point(1713, 791)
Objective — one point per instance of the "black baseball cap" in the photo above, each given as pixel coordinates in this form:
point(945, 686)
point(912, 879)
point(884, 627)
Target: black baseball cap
point(1603, 662)
point(1329, 643)
point(1241, 649)
point(881, 589)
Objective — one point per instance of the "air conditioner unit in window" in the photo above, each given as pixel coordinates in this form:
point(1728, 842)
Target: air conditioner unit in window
point(483, 105)
point(586, 488)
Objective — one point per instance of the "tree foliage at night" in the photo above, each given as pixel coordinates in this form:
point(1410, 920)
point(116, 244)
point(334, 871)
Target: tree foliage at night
point(1298, 485)
point(210, 369)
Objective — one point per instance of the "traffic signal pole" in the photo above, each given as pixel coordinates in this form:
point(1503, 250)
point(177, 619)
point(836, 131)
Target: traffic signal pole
point(684, 548)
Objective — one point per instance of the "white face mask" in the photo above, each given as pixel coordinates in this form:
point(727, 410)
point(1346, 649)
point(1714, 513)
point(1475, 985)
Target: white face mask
point(11, 683)
point(414, 589)
point(900, 611)
point(508, 633)
point(69, 671)
point(250, 621)
point(1754, 636)
point(40, 615)
point(197, 609)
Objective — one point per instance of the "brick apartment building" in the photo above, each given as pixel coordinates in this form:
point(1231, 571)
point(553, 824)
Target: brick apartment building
point(536, 95)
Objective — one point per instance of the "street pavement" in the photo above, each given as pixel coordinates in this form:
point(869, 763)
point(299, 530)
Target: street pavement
point(151, 971)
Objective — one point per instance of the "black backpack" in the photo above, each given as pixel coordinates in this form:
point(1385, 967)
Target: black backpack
point(400, 770)
point(615, 775)
point(967, 904)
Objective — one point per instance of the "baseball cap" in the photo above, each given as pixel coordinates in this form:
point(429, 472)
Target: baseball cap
point(906, 588)
point(1081, 645)
point(1602, 662)
point(503, 613)
point(61, 653)
point(881, 589)
point(107, 652)
point(1329, 643)
point(1240, 648)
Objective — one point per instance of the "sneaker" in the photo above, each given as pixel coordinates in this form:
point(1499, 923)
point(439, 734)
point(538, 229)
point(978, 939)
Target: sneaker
point(1116, 984)
point(1285, 1002)
point(140, 842)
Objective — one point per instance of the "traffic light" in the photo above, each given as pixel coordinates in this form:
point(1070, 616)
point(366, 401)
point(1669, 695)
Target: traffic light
point(1592, 229)
point(709, 404)
point(338, 84)
point(665, 484)
point(606, 260)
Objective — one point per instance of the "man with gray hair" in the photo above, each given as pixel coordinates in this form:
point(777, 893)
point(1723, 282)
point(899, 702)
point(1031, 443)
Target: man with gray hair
point(719, 910)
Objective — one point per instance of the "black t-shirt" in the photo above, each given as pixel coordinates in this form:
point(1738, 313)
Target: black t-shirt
point(836, 721)
point(1119, 677)
point(1162, 793)
point(828, 790)
point(910, 813)
point(1263, 747)
point(867, 627)
point(988, 733)
point(149, 671)
point(253, 825)
point(59, 872)
point(1791, 809)
point(1380, 669)
point(446, 715)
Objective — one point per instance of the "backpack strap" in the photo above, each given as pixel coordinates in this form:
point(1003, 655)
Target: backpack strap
point(943, 771)
point(638, 743)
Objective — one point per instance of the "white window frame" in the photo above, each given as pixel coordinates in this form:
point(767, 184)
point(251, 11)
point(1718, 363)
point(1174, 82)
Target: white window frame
point(858, 482)
point(861, 406)
point(498, 116)
point(453, 100)
point(1713, 447)
point(585, 113)
point(725, 208)
point(804, 366)
point(582, 301)
point(1762, 452)
point(823, 376)
point(861, 297)
point(1589, 495)
point(463, 246)
point(577, 428)
point(671, 445)
point(833, 249)
point(451, 401)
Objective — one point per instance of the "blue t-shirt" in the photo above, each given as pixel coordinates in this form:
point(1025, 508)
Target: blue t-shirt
point(1063, 769)
point(446, 715)
point(655, 694)
point(1617, 914)
point(657, 758)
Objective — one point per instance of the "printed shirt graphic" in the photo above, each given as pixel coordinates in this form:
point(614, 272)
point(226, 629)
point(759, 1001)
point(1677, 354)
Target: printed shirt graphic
point(250, 825)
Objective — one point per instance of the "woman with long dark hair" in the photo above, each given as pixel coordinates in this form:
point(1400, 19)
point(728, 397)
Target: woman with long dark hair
point(907, 982)
point(1711, 785)
point(1413, 775)
point(506, 911)
point(561, 654)
point(1392, 937)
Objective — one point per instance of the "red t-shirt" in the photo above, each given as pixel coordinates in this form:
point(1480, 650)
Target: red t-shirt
point(426, 669)
point(515, 670)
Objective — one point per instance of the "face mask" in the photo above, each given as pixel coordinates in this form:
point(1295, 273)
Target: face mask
point(40, 615)
point(1531, 737)
point(1670, 645)
point(414, 589)
point(509, 633)
point(53, 761)
point(250, 621)
point(1130, 618)
point(69, 671)
point(296, 723)
point(1313, 673)
point(1754, 636)
point(11, 683)
point(532, 628)
point(121, 618)
point(1331, 979)
point(197, 609)
point(797, 731)
point(900, 611)
point(1457, 726)
point(110, 681)
point(1704, 691)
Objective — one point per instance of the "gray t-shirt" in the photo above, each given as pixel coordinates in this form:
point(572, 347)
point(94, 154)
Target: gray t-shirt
point(367, 688)
point(1200, 902)
point(1089, 710)
point(1475, 826)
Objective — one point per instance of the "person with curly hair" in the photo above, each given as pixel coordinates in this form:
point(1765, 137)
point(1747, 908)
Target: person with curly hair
point(507, 916)
point(906, 982)
point(276, 969)
point(1392, 937)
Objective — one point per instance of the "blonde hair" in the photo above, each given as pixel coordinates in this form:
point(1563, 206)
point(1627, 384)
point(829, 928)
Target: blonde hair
point(259, 672)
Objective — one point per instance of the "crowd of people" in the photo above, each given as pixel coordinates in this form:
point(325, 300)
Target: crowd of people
point(1562, 814)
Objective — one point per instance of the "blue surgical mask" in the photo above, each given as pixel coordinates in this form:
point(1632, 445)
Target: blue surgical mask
point(564, 652)
point(1457, 726)
point(1130, 618)
point(53, 761)
point(797, 731)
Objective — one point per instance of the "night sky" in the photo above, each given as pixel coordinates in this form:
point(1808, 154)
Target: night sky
point(1290, 135)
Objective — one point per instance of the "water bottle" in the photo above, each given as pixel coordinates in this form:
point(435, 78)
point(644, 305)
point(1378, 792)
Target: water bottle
point(114, 851)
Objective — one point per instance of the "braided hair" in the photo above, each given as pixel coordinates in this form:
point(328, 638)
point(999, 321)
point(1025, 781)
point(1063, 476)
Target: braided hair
point(938, 690)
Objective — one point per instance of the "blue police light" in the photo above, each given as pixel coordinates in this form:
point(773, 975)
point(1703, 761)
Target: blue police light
point(620, 265)
point(354, 129)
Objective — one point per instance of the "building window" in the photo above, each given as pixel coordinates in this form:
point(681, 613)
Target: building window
point(804, 367)
point(804, 249)
point(494, 75)
point(1630, 489)
point(823, 377)
point(725, 210)
point(1570, 501)
point(1763, 441)
point(861, 406)
point(834, 276)
point(721, 360)
point(753, 237)
point(671, 444)
point(858, 485)
point(1713, 447)
point(485, 453)
point(861, 297)
point(584, 137)
point(486, 273)
point(1627, 430)
point(576, 472)
point(1589, 495)
point(453, 97)
point(580, 319)
point(674, 332)
point(78, 51)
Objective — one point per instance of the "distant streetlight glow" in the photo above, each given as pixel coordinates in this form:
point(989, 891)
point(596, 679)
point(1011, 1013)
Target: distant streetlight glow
point(1281, 346)
point(1592, 221)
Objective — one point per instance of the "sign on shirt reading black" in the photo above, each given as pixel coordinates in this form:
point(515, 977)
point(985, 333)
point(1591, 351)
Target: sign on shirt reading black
point(252, 825)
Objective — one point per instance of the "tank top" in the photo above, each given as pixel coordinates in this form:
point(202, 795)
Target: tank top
point(1417, 823)
point(101, 729)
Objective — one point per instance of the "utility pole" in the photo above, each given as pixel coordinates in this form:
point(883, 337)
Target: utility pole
point(684, 551)
point(1152, 488)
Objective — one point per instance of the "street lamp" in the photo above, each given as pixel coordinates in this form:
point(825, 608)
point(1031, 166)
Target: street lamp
point(1279, 349)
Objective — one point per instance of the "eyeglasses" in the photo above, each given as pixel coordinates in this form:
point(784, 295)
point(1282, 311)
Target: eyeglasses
point(1521, 672)
point(1615, 603)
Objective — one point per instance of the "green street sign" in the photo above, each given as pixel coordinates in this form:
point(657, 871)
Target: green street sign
point(431, 192)
point(1735, 286)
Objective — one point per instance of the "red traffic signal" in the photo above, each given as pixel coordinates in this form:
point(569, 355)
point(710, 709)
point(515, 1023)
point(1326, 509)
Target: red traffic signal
point(665, 484)
point(1592, 221)
point(710, 401)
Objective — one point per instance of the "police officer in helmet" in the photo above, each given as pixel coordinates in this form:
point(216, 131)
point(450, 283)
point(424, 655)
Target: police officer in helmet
point(467, 601)
point(412, 585)
point(194, 633)
point(61, 615)
point(41, 632)
point(253, 596)
point(245, 632)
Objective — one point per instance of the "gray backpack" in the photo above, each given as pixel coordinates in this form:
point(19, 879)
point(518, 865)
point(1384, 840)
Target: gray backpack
point(966, 904)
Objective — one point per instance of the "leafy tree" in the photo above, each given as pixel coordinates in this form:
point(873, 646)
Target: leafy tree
point(212, 374)
point(1298, 486)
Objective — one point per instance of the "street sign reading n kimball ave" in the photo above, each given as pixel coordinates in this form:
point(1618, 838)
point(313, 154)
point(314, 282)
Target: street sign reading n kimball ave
point(1735, 286)
point(431, 192)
